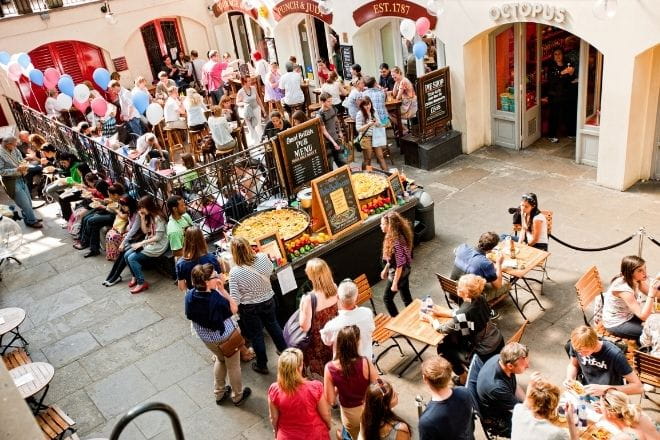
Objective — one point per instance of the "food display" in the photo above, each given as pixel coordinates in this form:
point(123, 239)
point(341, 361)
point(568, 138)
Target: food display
point(376, 205)
point(305, 243)
point(576, 387)
point(288, 222)
point(601, 434)
point(368, 184)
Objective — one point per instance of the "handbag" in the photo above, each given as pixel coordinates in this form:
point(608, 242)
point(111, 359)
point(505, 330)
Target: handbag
point(379, 137)
point(357, 141)
point(294, 336)
point(232, 344)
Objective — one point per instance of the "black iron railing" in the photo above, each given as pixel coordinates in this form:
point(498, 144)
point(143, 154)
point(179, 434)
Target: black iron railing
point(12, 8)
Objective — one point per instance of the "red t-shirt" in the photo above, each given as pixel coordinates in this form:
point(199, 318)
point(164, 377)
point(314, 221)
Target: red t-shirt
point(298, 416)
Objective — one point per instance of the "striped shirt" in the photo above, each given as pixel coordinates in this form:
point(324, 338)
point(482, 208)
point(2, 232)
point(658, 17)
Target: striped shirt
point(402, 255)
point(246, 286)
point(214, 336)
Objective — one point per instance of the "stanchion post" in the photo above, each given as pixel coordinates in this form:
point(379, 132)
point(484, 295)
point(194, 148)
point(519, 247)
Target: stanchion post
point(642, 234)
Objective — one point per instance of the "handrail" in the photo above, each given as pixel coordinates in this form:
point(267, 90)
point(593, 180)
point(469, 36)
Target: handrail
point(143, 408)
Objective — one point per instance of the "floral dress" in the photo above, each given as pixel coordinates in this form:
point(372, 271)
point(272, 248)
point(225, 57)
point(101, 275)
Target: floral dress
point(317, 354)
point(408, 98)
point(115, 236)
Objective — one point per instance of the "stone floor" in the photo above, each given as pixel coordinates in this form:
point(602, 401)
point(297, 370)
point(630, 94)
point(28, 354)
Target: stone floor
point(113, 350)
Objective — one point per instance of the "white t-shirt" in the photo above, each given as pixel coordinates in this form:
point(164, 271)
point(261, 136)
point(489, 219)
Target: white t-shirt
point(615, 309)
point(220, 130)
point(360, 316)
point(290, 82)
point(195, 113)
point(333, 90)
point(543, 236)
point(171, 110)
point(262, 69)
point(525, 426)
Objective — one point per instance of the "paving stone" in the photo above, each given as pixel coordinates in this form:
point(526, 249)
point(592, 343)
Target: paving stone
point(120, 391)
point(67, 380)
point(199, 387)
point(171, 364)
point(110, 358)
point(160, 334)
point(130, 432)
point(81, 409)
point(154, 423)
point(29, 277)
point(130, 321)
point(224, 422)
point(70, 348)
point(58, 304)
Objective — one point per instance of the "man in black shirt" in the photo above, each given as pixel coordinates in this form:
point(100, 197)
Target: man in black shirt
point(449, 413)
point(386, 82)
point(331, 130)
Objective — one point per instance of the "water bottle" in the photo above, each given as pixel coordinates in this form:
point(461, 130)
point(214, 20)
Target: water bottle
point(428, 303)
point(507, 245)
point(582, 415)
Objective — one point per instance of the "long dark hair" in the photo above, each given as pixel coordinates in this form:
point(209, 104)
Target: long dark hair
point(130, 203)
point(534, 202)
point(347, 351)
point(629, 264)
point(148, 203)
point(363, 102)
point(378, 409)
point(194, 245)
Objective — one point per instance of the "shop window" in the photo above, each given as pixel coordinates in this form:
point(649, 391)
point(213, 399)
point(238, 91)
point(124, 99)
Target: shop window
point(531, 65)
point(161, 38)
point(504, 70)
point(594, 87)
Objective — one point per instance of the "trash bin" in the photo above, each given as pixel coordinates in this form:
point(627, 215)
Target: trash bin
point(425, 229)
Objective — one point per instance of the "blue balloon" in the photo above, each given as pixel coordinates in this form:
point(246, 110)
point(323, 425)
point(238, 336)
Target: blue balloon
point(37, 77)
point(419, 49)
point(4, 57)
point(141, 101)
point(101, 77)
point(65, 84)
point(23, 60)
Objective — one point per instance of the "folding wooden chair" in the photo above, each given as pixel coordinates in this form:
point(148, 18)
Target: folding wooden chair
point(517, 336)
point(448, 287)
point(16, 358)
point(364, 291)
point(648, 369)
point(54, 423)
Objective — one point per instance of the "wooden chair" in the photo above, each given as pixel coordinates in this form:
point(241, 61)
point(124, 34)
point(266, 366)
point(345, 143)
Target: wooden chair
point(448, 287)
point(648, 368)
point(348, 127)
point(173, 149)
point(364, 291)
point(174, 139)
point(517, 336)
point(313, 108)
point(195, 139)
point(16, 358)
point(54, 423)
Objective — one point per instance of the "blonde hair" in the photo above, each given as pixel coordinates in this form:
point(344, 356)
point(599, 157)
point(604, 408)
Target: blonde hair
point(242, 252)
point(289, 377)
point(193, 97)
point(320, 275)
point(472, 285)
point(216, 110)
point(617, 404)
point(584, 337)
point(543, 398)
point(397, 70)
point(437, 372)
point(139, 80)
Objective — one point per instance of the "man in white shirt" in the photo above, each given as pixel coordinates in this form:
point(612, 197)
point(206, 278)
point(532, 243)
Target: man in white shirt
point(129, 114)
point(174, 110)
point(350, 314)
point(290, 82)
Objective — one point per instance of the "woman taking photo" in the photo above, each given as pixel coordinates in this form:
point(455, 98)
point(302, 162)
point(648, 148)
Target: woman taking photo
point(249, 285)
point(195, 251)
point(347, 377)
point(629, 420)
point(210, 308)
point(378, 420)
point(297, 408)
point(312, 320)
point(155, 243)
point(534, 224)
point(462, 341)
point(247, 99)
point(365, 121)
point(623, 316)
point(397, 255)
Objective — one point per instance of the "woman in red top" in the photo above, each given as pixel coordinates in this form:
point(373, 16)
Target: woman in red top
point(324, 70)
point(297, 408)
point(348, 377)
point(397, 247)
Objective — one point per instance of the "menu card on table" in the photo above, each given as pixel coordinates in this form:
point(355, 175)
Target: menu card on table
point(24, 379)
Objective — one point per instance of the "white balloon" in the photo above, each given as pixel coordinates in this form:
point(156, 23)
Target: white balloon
point(81, 93)
point(26, 70)
point(408, 29)
point(64, 102)
point(154, 113)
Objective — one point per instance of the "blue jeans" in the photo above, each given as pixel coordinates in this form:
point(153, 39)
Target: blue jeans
point(135, 126)
point(135, 261)
point(24, 201)
point(254, 317)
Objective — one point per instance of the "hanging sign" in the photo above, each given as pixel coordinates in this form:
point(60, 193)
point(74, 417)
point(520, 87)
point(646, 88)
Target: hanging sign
point(391, 8)
point(222, 6)
point(288, 7)
point(434, 102)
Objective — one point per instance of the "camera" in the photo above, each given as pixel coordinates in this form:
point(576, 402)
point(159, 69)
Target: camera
point(515, 212)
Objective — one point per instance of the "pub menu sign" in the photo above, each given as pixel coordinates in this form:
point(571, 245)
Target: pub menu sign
point(434, 94)
point(333, 197)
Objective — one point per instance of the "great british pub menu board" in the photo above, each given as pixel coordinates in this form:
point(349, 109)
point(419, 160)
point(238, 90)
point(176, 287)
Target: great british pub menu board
point(336, 198)
point(302, 154)
point(434, 93)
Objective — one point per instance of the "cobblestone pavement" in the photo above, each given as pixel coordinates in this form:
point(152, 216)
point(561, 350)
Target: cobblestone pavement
point(113, 350)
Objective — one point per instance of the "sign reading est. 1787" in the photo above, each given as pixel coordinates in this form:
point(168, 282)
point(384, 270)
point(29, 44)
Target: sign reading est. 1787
point(391, 8)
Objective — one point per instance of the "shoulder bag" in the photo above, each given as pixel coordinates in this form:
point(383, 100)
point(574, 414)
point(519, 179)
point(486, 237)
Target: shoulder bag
point(293, 334)
point(357, 141)
point(232, 344)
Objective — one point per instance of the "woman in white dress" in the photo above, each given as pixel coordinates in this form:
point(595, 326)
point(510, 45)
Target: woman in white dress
point(195, 108)
point(247, 99)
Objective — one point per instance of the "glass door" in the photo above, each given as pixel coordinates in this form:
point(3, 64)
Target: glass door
point(504, 53)
point(590, 86)
point(530, 84)
point(239, 35)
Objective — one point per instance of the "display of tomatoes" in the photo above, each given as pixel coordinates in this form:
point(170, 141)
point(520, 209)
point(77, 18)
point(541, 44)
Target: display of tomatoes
point(377, 205)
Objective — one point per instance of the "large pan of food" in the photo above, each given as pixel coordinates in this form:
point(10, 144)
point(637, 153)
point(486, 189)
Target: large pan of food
point(287, 222)
point(369, 184)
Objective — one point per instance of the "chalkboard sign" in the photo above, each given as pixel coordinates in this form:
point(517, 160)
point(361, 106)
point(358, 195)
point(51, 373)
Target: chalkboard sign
point(302, 154)
point(434, 95)
point(335, 196)
point(347, 60)
point(272, 50)
point(396, 186)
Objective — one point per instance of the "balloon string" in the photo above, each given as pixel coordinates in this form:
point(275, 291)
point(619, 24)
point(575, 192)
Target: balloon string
point(36, 97)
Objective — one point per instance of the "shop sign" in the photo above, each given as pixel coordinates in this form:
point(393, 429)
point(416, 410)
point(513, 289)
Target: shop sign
point(528, 10)
point(347, 60)
point(333, 197)
point(391, 8)
point(434, 95)
point(222, 6)
point(288, 7)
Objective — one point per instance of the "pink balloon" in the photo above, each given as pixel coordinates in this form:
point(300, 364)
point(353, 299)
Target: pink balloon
point(49, 85)
point(99, 106)
point(423, 25)
point(52, 75)
point(82, 106)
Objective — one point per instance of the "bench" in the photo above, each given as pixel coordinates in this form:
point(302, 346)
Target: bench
point(16, 358)
point(54, 423)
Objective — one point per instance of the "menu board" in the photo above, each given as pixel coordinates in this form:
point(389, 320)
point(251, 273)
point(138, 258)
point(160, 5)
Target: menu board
point(272, 50)
point(434, 95)
point(335, 196)
point(396, 186)
point(302, 154)
point(347, 60)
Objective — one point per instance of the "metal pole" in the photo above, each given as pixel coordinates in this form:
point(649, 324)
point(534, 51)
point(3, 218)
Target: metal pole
point(640, 246)
point(419, 403)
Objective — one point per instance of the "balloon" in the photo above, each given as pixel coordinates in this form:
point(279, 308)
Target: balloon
point(81, 105)
point(37, 77)
point(14, 71)
point(419, 49)
point(141, 101)
point(49, 85)
point(52, 75)
point(101, 77)
point(4, 57)
point(422, 25)
point(65, 84)
point(64, 102)
point(154, 113)
point(81, 93)
point(26, 70)
point(23, 59)
point(407, 29)
point(99, 106)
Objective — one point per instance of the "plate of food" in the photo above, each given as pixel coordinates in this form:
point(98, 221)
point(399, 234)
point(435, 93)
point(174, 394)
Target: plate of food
point(113, 205)
point(49, 169)
point(86, 194)
point(288, 222)
point(575, 387)
point(601, 434)
point(368, 184)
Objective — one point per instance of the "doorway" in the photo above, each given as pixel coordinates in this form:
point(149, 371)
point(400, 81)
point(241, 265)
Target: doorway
point(239, 36)
point(656, 171)
point(161, 38)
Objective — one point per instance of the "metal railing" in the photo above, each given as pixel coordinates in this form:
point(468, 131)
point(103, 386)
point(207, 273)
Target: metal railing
point(13, 8)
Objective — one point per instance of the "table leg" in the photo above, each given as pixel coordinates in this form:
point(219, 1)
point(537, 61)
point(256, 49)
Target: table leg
point(38, 406)
point(418, 355)
point(529, 288)
point(17, 335)
point(399, 126)
point(514, 296)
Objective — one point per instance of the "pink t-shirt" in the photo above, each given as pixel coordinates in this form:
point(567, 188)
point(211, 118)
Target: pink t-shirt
point(212, 73)
point(298, 416)
point(214, 216)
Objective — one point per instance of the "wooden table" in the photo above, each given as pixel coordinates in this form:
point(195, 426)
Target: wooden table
point(10, 320)
point(394, 106)
point(42, 373)
point(409, 326)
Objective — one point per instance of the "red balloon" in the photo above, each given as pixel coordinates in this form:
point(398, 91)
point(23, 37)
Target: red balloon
point(99, 106)
point(82, 106)
point(422, 25)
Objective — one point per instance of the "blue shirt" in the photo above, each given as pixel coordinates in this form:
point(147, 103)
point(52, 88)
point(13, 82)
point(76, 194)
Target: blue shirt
point(378, 102)
point(449, 419)
point(470, 261)
point(184, 267)
point(496, 391)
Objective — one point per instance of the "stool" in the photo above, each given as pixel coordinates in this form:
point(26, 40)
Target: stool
point(349, 125)
point(312, 108)
point(274, 105)
point(387, 154)
point(195, 137)
point(174, 140)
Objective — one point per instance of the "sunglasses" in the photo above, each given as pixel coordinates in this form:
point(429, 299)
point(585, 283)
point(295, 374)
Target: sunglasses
point(381, 386)
point(529, 198)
